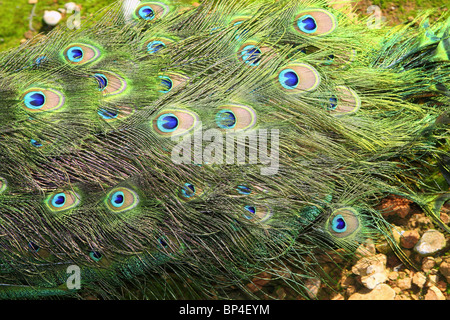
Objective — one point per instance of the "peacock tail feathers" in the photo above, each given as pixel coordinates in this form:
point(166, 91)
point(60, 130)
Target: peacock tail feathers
point(161, 142)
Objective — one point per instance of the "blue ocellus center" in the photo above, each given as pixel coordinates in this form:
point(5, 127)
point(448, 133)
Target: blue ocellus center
point(35, 100)
point(162, 242)
point(33, 246)
point(75, 54)
point(307, 24)
point(59, 200)
point(146, 13)
point(251, 55)
point(188, 190)
point(155, 46)
point(95, 255)
point(225, 119)
point(339, 224)
point(252, 211)
point(288, 79)
point(102, 81)
point(117, 199)
point(167, 122)
point(35, 143)
point(243, 190)
point(107, 114)
point(333, 103)
point(166, 83)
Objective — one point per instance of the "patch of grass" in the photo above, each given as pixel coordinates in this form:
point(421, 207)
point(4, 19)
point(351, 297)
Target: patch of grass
point(14, 22)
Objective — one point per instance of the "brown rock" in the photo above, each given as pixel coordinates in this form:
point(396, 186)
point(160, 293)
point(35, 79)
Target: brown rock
point(419, 279)
point(432, 279)
point(395, 205)
point(409, 239)
point(338, 297)
point(312, 286)
point(434, 293)
point(380, 292)
point(404, 284)
point(372, 270)
point(393, 275)
point(444, 269)
point(428, 263)
point(444, 217)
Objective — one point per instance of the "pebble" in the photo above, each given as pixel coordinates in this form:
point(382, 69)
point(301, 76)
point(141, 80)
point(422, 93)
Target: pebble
point(431, 242)
point(444, 269)
point(312, 286)
point(434, 293)
point(409, 239)
point(404, 284)
point(393, 275)
point(70, 6)
point(428, 263)
point(372, 270)
point(419, 279)
point(338, 297)
point(52, 17)
point(380, 292)
point(432, 279)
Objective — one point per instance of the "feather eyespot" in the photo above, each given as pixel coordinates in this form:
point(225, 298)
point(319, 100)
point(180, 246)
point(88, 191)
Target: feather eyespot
point(345, 101)
point(170, 245)
point(252, 53)
point(236, 23)
point(110, 114)
point(258, 213)
point(156, 44)
point(121, 199)
point(315, 22)
point(95, 255)
point(110, 83)
point(235, 117)
point(175, 122)
point(343, 222)
point(33, 247)
point(241, 189)
point(40, 100)
point(298, 77)
point(78, 53)
point(170, 81)
point(38, 143)
point(149, 11)
point(63, 200)
point(190, 192)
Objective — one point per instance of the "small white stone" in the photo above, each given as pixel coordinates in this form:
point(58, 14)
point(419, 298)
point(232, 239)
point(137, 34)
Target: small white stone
point(71, 6)
point(431, 242)
point(52, 17)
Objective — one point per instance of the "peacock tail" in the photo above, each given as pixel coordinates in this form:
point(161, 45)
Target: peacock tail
point(184, 149)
